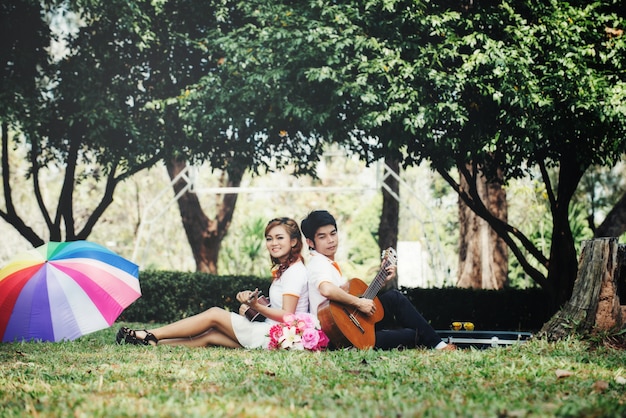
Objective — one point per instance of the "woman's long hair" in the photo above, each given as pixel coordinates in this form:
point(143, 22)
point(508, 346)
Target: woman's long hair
point(295, 254)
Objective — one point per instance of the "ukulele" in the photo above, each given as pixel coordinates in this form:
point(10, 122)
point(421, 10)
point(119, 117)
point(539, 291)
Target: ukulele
point(345, 325)
point(254, 315)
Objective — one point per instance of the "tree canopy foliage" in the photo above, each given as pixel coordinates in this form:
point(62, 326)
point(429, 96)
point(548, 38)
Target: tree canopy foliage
point(121, 95)
point(503, 86)
point(83, 115)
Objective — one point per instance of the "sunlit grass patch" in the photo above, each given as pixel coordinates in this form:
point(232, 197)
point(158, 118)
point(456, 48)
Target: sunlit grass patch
point(93, 376)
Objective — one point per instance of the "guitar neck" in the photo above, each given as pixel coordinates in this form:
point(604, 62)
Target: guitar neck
point(377, 283)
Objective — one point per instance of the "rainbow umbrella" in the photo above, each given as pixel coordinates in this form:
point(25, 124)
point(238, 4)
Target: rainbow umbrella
point(63, 290)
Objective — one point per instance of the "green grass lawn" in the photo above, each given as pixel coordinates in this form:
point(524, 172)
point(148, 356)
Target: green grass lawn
point(93, 376)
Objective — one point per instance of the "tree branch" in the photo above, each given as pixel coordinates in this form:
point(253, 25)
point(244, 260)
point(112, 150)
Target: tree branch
point(503, 229)
point(34, 153)
point(546, 179)
point(65, 209)
point(6, 172)
point(107, 197)
point(10, 216)
point(498, 224)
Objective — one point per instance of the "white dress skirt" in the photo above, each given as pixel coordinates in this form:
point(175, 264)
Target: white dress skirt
point(251, 334)
point(292, 282)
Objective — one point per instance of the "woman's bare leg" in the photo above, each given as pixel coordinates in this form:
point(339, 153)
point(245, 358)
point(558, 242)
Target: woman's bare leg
point(209, 338)
point(193, 326)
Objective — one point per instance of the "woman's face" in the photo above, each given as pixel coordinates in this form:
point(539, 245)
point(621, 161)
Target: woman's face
point(278, 242)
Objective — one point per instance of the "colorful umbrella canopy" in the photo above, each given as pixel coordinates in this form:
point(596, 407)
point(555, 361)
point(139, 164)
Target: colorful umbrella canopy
point(63, 290)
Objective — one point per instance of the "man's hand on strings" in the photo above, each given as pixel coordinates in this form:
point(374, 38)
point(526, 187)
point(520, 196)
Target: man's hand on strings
point(366, 306)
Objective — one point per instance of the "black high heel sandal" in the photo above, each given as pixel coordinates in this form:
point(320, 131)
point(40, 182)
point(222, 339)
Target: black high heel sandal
point(129, 336)
point(120, 337)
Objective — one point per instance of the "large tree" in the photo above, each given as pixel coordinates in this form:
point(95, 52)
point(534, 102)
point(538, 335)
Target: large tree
point(25, 38)
point(505, 88)
point(124, 94)
point(487, 88)
point(181, 56)
point(80, 114)
point(232, 115)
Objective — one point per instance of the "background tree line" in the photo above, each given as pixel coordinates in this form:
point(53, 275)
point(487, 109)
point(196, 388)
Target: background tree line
point(485, 92)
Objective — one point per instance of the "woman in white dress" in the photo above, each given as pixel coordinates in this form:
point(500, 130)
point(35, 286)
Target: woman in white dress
point(217, 327)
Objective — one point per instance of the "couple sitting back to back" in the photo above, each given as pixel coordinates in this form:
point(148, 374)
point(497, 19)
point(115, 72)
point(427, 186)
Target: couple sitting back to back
point(402, 325)
point(295, 289)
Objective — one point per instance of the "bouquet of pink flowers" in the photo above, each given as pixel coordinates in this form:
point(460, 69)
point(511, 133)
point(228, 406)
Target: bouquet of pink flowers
point(299, 331)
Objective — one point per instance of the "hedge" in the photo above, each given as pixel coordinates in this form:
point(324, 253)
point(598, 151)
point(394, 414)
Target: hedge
point(168, 296)
point(495, 310)
point(171, 295)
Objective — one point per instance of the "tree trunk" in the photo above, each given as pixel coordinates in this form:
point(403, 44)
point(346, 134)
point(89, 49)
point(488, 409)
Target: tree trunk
point(483, 256)
point(595, 302)
point(205, 235)
point(11, 216)
point(615, 223)
point(562, 268)
point(388, 227)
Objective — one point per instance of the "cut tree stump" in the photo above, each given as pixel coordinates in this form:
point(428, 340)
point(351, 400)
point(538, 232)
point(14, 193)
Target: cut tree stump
point(595, 302)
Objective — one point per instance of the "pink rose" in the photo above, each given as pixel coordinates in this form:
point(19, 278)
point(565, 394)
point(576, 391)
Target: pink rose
point(310, 338)
point(308, 319)
point(323, 339)
point(300, 325)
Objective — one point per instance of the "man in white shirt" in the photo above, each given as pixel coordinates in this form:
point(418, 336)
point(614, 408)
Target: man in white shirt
point(402, 325)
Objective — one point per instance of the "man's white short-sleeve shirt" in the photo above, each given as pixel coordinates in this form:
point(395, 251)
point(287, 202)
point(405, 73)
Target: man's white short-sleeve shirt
point(320, 269)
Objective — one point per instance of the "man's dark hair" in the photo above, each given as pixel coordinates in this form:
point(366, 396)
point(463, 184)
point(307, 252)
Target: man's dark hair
point(316, 220)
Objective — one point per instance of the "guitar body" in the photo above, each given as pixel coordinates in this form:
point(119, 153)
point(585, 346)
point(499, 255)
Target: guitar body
point(345, 325)
point(255, 316)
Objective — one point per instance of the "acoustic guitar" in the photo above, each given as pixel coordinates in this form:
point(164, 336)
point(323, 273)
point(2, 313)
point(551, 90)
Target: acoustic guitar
point(345, 325)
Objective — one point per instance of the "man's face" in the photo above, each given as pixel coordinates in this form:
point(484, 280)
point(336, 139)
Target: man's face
point(325, 241)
